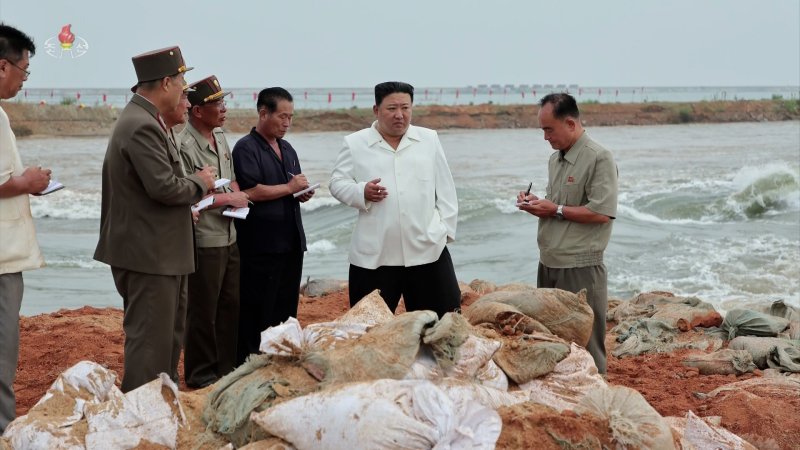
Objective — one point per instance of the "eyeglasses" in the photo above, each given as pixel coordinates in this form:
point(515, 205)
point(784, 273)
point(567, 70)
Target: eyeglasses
point(219, 104)
point(27, 72)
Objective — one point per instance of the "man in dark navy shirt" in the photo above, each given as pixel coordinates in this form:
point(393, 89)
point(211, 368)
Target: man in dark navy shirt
point(271, 240)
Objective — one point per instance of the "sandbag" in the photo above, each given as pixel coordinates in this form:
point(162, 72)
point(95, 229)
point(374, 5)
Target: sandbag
point(257, 384)
point(698, 433)
point(385, 351)
point(565, 314)
point(627, 310)
point(371, 310)
point(633, 422)
point(568, 382)
point(83, 409)
point(445, 338)
point(779, 308)
point(681, 312)
point(526, 357)
point(382, 414)
point(654, 336)
point(318, 288)
point(767, 352)
point(745, 322)
point(503, 317)
point(482, 287)
point(721, 362)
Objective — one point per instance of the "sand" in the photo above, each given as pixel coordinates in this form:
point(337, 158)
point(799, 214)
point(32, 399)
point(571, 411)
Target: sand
point(64, 121)
point(50, 343)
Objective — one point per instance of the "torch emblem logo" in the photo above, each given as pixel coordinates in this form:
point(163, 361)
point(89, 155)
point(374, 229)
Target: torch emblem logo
point(66, 43)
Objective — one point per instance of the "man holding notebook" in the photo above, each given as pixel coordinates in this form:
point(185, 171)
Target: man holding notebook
point(271, 240)
point(213, 308)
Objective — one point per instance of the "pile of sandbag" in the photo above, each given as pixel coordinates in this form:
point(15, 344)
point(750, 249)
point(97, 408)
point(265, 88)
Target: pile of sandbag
point(508, 373)
point(83, 409)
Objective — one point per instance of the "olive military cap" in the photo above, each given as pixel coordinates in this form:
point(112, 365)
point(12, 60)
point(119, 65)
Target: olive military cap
point(157, 64)
point(205, 91)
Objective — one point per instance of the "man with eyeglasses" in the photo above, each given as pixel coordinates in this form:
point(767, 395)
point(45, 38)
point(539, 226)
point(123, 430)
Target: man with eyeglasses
point(213, 309)
point(19, 250)
point(145, 218)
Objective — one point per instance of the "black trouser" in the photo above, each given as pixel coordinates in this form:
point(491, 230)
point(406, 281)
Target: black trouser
point(430, 286)
point(594, 280)
point(212, 318)
point(270, 290)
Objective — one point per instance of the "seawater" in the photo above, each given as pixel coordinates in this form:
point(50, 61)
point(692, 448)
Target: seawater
point(711, 210)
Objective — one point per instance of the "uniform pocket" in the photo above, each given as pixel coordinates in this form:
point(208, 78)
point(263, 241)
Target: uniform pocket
point(571, 194)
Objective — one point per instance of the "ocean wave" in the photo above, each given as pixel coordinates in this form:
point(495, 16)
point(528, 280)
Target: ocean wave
point(73, 263)
point(319, 202)
point(321, 246)
point(750, 193)
point(715, 270)
point(67, 204)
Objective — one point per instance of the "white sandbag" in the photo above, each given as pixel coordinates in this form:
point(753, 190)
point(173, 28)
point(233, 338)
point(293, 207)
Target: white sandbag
point(83, 409)
point(383, 414)
point(370, 310)
point(150, 413)
point(284, 339)
point(633, 422)
point(49, 422)
point(290, 339)
point(698, 433)
point(474, 363)
point(485, 395)
point(569, 381)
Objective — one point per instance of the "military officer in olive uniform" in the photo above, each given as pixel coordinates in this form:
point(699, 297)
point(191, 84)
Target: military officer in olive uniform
point(145, 220)
point(213, 310)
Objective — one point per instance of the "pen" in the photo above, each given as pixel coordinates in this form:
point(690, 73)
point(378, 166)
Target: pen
point(528, 192)
point(290, 174)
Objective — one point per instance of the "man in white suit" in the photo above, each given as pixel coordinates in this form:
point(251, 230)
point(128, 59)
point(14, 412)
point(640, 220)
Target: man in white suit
point(397, 176)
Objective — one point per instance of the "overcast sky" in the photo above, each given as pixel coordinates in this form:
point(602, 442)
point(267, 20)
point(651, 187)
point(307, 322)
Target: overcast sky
point(354, 43)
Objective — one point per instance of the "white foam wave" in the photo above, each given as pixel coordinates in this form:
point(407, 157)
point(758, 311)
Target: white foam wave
point(629, 211)
point(506, 205)
point(321, 246)
point(318, 202)
point(67, 262)
point(67, 204)
point(762, 268)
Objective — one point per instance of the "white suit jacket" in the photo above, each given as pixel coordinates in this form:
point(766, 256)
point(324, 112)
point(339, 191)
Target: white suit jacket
point(413, 223)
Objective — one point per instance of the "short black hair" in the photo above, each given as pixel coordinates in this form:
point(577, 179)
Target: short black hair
point(564, 105)
point(13, 42)
point(392, 87)
point(268, 98)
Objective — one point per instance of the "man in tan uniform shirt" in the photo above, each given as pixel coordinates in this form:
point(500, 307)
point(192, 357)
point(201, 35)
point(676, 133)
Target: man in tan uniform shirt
point(576, 215)
point(213, 311)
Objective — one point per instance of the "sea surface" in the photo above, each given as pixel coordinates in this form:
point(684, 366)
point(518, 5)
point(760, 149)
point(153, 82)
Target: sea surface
point(710, 210)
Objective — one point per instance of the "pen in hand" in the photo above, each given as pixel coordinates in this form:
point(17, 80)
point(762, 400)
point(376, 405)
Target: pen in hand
point(528, 192)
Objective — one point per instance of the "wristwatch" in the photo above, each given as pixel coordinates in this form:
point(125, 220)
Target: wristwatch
point(560, 212)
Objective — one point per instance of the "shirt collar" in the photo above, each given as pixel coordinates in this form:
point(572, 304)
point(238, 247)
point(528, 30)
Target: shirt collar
point(572, 155)
point(201, 140)
point(375, 136)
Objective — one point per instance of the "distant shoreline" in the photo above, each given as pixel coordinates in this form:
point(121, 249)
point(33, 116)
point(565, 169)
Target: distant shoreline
point(74, 121)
